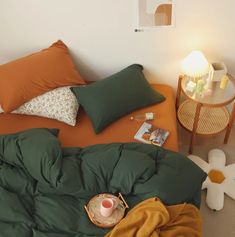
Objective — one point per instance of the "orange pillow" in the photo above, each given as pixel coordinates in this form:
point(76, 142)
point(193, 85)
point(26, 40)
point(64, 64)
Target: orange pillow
point(30, 76)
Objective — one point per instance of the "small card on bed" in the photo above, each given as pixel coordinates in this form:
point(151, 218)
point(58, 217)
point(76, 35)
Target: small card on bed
point(151, 135)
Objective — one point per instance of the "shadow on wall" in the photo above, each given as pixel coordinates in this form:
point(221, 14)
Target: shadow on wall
point(86, 72)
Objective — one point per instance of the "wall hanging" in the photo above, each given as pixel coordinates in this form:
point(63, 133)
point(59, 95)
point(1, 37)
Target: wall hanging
point(152, 14)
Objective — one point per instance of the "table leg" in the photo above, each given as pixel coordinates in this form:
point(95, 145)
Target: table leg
point(230, 124)
point(178, 93)
point(195, 123)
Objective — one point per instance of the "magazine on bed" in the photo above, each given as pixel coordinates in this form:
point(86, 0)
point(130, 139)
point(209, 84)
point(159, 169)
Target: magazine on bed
point(151, 135)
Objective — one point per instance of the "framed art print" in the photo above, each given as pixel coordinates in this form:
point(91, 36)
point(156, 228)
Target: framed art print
point(153, 14)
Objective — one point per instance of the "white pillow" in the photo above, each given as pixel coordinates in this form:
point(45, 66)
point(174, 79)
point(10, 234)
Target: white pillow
point(60, 104)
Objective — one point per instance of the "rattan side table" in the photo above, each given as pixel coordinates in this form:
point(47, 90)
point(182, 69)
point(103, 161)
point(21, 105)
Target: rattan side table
point(206, 115)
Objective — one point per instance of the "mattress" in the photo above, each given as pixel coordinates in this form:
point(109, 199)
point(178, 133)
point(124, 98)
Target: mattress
point(122, 130)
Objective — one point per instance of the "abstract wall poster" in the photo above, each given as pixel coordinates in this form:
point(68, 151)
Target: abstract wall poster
point(155, 13)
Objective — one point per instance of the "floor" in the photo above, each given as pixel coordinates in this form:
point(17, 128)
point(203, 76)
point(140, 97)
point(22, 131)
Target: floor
point(221, 223)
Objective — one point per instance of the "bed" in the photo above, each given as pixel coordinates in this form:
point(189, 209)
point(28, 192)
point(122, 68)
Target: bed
point(122, 130)
point(50, 170)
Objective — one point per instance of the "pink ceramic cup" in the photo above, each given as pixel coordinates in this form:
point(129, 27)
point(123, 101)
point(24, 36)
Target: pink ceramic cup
point(107, 207)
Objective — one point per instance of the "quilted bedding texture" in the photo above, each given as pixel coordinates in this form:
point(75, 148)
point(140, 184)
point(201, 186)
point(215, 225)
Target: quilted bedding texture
point(43, 187)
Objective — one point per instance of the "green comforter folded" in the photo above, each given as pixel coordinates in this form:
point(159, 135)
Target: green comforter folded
point(43, 187)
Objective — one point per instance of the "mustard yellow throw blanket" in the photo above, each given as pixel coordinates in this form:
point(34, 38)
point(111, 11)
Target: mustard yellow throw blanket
point(151, 218)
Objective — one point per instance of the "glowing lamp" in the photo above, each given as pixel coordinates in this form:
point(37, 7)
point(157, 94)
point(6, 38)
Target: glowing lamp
point(195, 65)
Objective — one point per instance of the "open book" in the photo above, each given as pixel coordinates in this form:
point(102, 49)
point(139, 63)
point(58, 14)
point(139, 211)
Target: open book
point(151, 135)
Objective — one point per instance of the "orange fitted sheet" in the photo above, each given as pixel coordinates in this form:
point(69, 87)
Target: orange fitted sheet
point(122, 130)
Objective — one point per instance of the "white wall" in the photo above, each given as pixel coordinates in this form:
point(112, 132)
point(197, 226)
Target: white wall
point(100, 34)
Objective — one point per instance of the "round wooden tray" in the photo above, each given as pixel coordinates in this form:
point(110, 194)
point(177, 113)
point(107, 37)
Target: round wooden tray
point(93, 210)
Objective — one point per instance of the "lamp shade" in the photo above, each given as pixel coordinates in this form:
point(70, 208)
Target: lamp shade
point(195, 64)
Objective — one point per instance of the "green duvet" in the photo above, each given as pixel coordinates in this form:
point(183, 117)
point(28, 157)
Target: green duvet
point(43, 187)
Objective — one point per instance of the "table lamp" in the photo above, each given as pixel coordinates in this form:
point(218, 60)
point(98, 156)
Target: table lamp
point(195, 66)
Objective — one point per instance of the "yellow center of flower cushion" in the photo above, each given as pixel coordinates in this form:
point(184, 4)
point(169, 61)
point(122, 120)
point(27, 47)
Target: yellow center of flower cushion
point(216, 176)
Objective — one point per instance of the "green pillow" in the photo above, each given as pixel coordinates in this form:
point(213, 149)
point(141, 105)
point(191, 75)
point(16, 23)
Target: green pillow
point(117, 95)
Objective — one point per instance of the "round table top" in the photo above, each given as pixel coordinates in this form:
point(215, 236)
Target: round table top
point(217, 97)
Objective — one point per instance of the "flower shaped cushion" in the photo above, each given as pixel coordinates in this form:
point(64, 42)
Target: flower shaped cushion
point(220, 180)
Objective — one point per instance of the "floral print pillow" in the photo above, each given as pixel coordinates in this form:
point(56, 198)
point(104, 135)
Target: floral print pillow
point(60, 104)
